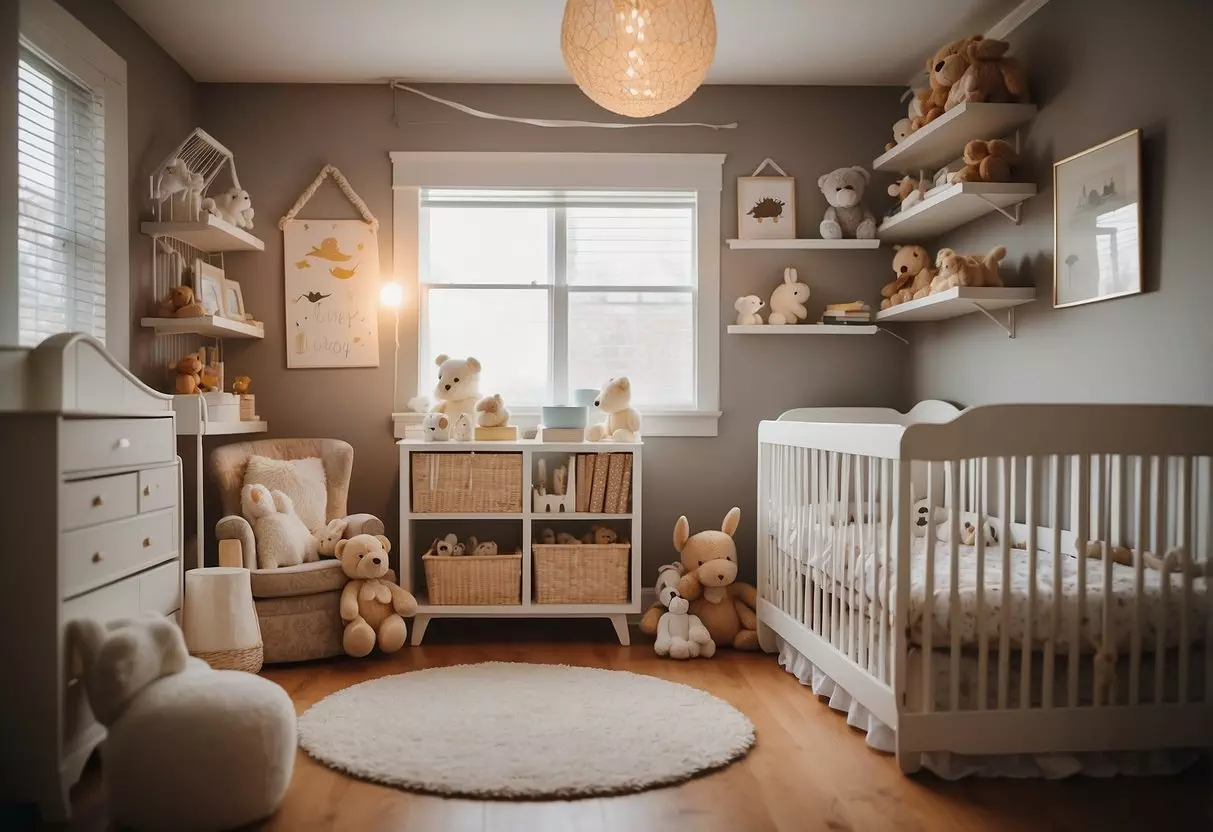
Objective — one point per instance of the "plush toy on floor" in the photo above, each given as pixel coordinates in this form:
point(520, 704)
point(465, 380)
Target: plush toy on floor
point(681, 635)
point(847, 216)
point(458, 387)
point(623, 422)
point(787, 301)
point(373, 607)
point(747, 308)
point(186, 747)
point(725, 606)
point(666, 588)
point(282, 538)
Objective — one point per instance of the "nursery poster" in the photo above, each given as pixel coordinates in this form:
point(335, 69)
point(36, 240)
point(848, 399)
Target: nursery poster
point(332, 284)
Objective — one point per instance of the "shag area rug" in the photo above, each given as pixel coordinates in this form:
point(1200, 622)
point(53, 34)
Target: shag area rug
point(508, 730)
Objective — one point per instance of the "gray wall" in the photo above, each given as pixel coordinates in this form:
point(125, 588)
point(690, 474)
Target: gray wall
point(282, 135)
point(1097, 70)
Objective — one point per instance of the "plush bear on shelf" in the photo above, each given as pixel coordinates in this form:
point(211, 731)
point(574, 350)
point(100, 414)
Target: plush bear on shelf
point(912, 276)
point(902, 128)
point(623, 422)
point(909, 191)
point(967, 270)
point(232, 206)
point(282, 538)
point(373, 607)
point(458, 387)
point(189, 374)
point(986, 161)
point(847, 216)
point(725, 606)
point(747, 307)
point(180, 303)
point(990, 76)
point(945, 68)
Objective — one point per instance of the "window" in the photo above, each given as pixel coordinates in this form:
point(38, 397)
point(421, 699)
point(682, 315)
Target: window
point(71, 233)
point(556, 290)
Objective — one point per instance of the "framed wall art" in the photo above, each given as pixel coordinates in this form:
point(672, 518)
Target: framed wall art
point(207, 282)
point(766, 205)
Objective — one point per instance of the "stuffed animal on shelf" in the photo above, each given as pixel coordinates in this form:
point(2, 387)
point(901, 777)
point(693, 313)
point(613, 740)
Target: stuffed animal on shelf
point(458, 387)
point(945, 68)
point(436, 427)
point(546, 536)
point(447, 547)
point(902, 128)
point(189, 374)
point(681, 635)
point(180, 303)
point(909, 192)
point(326, 539)
point(491, 412)
point(725, 606)
point(176, 180)
point(600, 536)
point(787, 301)
point(926, 103)
point(232, 206)
point(990, 76)
point(373, 607)
point(623, 422)
point(747, 308)
point(241, 385)
point(282, 538)
point(847, 216)
point(483, 547)
point(461, 429)
point(665, 588)
point(418, 404)
point(912, 276)
point(566, 539)
point(986, 161)
point(967, 270)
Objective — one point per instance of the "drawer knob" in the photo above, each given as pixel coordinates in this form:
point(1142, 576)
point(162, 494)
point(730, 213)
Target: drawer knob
point(147, 491)
point(147, 542)
point(123, 443)
point(98, 501)
point(96, 557)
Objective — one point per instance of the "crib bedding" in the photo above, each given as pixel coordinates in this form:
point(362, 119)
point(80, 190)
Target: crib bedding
point(1083, 611)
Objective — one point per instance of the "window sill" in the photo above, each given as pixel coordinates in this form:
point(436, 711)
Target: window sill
point(697, 423)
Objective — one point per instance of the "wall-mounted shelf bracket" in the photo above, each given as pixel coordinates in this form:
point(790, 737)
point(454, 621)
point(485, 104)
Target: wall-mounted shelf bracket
point(888, 331)
point(1008, 327)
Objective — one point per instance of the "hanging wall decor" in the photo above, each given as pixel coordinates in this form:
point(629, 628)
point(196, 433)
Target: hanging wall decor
point(332, 284)
point(766, 205)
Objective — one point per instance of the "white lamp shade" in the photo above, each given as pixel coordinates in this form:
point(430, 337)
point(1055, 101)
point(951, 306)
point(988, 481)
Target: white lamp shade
point(218, 613)
point(638, 58)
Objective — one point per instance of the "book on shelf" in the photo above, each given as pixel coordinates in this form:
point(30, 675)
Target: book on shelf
point(625, 496)
point(561, 434)
point(849, 306)
point(614, 486)
point(598, 490)
point(582, 500)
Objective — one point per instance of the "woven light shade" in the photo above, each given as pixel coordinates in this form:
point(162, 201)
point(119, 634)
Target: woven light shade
point(638, 58)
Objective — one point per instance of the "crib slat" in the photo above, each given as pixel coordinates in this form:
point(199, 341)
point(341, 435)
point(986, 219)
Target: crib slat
point(1082, 498)
point(869, 532)
point(857, 586)
point(883, 595)
point(1186, 550)
point(831, 575)
point(1056, 474)
point(1025, 653)
point(954, 506)
point(1139, 569)
point(1207, 549)
point(843, 558)
point(1105, 690)
point(983, 647)
point(1007, 481)
point(1160, 474)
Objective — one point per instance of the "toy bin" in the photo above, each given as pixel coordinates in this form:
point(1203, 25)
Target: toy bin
point(472, 483)
point(473, 580)
point(584, 574)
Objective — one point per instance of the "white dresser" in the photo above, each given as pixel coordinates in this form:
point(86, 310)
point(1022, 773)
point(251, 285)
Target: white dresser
point(90, 507)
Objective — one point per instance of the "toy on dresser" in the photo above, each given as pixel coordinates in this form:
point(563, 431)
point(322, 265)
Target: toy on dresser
point(458, 387)
point(493, 420)
point(563, 493)
point(623, 421)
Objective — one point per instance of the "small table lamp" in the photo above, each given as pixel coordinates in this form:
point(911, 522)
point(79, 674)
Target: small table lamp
point(220, 621)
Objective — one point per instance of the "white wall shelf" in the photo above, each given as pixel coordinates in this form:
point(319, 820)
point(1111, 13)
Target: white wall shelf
point(943, 140)
point(804, 329)
point(209, 234)
point(952, 207)
point(962, 301)
point(804, 243)
point(528, 522)
point(211, 326)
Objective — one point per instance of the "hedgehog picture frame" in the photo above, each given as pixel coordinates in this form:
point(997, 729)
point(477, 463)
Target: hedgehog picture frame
point(751, 191)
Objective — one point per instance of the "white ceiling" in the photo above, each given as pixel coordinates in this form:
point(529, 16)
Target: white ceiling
point(518, 41)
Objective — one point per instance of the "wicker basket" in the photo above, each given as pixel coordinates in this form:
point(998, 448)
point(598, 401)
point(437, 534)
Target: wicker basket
point(585, 574)
point(247, 659)
point(487, 483)
point(474, 580)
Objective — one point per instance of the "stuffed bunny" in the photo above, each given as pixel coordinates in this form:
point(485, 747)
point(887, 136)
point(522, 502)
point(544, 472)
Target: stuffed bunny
point(787, 301)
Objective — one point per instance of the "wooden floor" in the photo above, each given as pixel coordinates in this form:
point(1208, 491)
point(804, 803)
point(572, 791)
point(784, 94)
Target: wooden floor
point(809, 771)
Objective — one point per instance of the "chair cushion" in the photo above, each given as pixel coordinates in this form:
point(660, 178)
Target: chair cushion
point(302, 480)
point(304, 579)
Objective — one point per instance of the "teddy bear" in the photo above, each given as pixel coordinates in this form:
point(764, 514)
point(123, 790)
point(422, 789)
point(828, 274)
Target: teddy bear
point(458, 387)
point(623, 422)
point(909, 191)
point(989, 76)
point(912, 276)
point(986, 161)
point(180, 303)
point(447, 547)
point(847, 216)
point(787, 301)
point(902, 128)
point(681, 634)
point(189, 374)
point(232, 206)
point(747, 308)
point(547, 536)
point(566, 539)
point(600, 535)
point(436, 427)
point(665, 588)
point(492, 412)
point(372, 607)
point(282, 538)
point(725, 606)
point(326, 539)
point(944, 69)
point(967, 270)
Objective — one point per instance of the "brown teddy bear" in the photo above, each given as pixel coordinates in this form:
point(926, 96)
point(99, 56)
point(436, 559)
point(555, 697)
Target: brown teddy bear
point(372, 606)
point(724, 606)
point(189, 374)
point(945, 68)
point(912, 267)
point(990, 76)
point(909, 191)
point(600, 535)
point(180, 303)
point(967, 270)
point(986, 161)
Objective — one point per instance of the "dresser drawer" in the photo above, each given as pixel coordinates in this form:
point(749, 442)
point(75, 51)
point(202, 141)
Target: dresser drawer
point(90, 502)
point(157, 488)
point(98, 444)
point(100, 554)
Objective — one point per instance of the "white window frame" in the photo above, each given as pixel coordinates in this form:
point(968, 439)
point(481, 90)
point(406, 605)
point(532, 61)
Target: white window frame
point(68, 45)
point(700, 173)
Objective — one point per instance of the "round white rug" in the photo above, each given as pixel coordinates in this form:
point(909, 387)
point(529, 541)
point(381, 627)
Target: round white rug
point(524, 730)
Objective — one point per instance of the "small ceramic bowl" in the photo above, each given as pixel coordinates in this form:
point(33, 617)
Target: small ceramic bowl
point(564, 416)
point(584, 396)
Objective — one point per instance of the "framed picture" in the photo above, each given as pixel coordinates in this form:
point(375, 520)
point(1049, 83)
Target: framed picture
point(233, 300)
point(207, 283)
point(1097, 223)
point(766, 205)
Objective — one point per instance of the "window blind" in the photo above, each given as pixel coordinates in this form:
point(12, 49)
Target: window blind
point(60, 204)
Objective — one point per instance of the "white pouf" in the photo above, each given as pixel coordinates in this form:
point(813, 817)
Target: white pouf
point(203, 749)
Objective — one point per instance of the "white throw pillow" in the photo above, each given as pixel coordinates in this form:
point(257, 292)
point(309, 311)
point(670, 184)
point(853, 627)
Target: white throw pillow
point(300, 479)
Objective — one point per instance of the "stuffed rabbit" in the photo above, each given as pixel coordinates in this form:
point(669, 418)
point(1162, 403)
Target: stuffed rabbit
point(787, 301)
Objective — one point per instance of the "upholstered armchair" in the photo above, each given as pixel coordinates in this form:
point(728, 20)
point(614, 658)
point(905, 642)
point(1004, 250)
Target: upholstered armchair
point(298, 606)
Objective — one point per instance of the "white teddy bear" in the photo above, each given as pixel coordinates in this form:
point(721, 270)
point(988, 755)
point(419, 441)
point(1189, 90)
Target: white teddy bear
point(681, 635)
point(623, 423)
point(747, 308)
point(436, 427)
point(847, 216)
point(458, 387)
point(787, 301)
point(282, 538)
point(232, 206)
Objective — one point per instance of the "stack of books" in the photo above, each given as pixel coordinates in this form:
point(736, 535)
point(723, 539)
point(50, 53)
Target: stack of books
point(561, 434)
point(852, 312)
point(604, 483)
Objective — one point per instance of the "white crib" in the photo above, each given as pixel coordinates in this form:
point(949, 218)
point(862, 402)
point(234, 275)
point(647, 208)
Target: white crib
point(1072, 653)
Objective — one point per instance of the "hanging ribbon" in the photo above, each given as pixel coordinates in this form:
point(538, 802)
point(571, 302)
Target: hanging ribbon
point(346, 188)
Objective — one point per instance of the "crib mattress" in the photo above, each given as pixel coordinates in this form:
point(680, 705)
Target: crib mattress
point(1079, 616)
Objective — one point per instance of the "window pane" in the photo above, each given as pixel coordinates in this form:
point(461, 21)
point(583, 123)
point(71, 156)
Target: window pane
point(505, 329)
point(487, 245)
point(647, 336)
point(631, 246)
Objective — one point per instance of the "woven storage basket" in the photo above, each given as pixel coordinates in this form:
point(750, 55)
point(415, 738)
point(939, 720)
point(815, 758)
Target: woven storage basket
point(585, 574)
point(474, 579)
point(488, 483)
point(247, 659)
